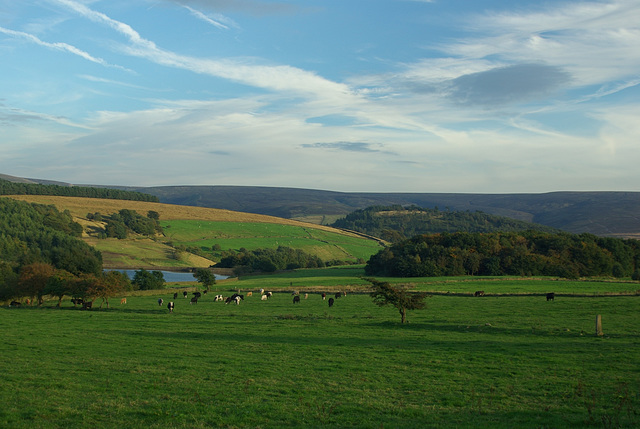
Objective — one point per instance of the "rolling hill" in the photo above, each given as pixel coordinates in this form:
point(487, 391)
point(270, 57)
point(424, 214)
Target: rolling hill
point(604, 213)
point(198, 229)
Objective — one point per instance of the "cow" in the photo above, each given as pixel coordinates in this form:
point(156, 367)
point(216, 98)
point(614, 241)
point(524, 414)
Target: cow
point(197, 295)
point(175, 295)
point(338, 295)
point(87, 305)
point(219, 298)
point(268, 294)
point(330, 302)
point(184, 294)
point(76, 301)
point(479, 293)
point(234, 298)
point(15, 304)
point(264, 297)
point(170, 306)
point(160, 302)
point(261, 291)
point(194, 300)
point(123, 301)
point(306, 295)
point(249, 293)
point(324, 296)
point(296, 299)
point(551, 296)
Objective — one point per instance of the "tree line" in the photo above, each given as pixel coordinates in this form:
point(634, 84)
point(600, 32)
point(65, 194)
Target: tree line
point(396, 223)
point(527, 253)
point(268, 260)
point(14, 188)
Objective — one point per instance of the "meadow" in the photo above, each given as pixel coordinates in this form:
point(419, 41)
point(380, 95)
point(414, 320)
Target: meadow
point(326, 244)
point(499, 361)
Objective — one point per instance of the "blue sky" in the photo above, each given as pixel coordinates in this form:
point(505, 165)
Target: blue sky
point(347, 95)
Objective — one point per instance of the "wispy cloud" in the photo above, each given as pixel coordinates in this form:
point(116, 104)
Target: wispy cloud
point(219, 21)
point(345, 146)
point(280, 78)
point(59, 46)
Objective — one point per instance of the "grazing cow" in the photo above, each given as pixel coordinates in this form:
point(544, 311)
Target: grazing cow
point(123, 301)
point(338, 295)
point(15, 304)
point(175, 295)
point(306, 295)
point(194, 300)
point(479, 293)
point(160, 301)
point(234, 298)
point(249, 293)
point(261, 291)
point(551, 296)
point(197, 295)
point(205, 292)
point(77, 301)
point(170, 306)
point(184, 294)
point(269, 294)
point(330, 302)
point(219, 298)
point(324, 296)
point(264, 297)
point(296, 299)
point(87, 305)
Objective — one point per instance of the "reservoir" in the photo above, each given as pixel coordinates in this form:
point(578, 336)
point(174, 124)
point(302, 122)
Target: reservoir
point(170, 276)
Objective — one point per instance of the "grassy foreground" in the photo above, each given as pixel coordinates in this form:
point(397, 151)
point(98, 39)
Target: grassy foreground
point(496, 361)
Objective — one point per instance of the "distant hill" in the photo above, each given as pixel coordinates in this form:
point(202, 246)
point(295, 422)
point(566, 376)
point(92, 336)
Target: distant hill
point(613, 214)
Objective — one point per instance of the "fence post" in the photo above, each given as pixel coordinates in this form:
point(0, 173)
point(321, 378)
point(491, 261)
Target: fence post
point(599, 326)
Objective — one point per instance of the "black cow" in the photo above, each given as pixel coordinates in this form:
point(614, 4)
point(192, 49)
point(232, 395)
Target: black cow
point(170, 306)
point(160, 301)
point(194, 300)
point(324, 296)
point(479, 293)
point(77, 301)
point(338, 295)
point(87, 305)
point(296, 299)
point(175, 295)
point(551, 296)
point(330, 302)
point(184, 293)
point(197, 294)
point(15, 304)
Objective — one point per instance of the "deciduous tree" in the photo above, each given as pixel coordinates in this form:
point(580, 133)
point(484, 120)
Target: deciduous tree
point(399, 297)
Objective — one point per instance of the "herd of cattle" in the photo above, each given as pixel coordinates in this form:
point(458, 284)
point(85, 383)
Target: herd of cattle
point(235, 298)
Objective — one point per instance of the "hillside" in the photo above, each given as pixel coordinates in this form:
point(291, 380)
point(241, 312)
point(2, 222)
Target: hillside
point(192, 232)
point(601, 213)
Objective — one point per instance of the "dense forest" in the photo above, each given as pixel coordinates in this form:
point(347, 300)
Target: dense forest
point(12, 188)
point(41, 253)
point(528, 253)
point(396, 223)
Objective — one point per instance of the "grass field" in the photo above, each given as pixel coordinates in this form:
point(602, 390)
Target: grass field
point(492, 362)
point(326, 244)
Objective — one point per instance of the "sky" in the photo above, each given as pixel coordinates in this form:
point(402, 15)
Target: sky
point(473, 96)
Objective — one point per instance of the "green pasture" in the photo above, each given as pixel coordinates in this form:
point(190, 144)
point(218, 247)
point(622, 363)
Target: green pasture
point(490, 362)
point(235, 235)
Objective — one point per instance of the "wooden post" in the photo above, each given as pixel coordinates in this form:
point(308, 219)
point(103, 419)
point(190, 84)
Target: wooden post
point(599, 326)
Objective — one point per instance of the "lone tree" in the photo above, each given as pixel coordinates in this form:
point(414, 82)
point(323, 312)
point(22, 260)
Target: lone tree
point(385, 294)
point(206, 277)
